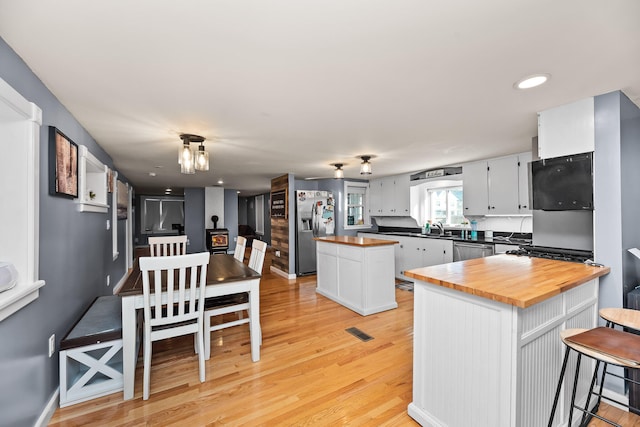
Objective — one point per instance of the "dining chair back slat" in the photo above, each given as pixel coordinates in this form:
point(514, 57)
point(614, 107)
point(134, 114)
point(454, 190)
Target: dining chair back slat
point(168, 245)
point(258, 252)
point(241, 244)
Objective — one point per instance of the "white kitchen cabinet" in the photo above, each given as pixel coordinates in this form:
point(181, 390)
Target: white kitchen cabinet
point(401, 196)
point(398, 254)
point(415, 252)
point(424, 252)
point(492, 187)
point(360, 277)
point(567, 129)
point(389, 196)
point(523, 183)
point(375, 197)
point(475, 191)
point(502, 183)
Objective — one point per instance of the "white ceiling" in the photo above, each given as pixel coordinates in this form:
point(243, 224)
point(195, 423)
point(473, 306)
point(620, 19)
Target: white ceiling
point(293, 85)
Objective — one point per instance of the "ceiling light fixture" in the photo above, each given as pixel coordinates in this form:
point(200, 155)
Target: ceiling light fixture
point(338, 173)
point(532, 81)
point(365, 166)
point(189, 160)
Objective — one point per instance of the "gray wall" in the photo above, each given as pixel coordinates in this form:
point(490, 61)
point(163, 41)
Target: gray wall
point(243, 205)
point(75, 258)
point(630, 154)
point(194, 219)
point(616, 194)
point(616, 200)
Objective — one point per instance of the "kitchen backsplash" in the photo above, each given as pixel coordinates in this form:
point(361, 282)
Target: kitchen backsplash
point(514, 224)
point(511, 224)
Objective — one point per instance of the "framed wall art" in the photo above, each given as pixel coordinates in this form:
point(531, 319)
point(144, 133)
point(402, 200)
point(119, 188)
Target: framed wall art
point(63, 165)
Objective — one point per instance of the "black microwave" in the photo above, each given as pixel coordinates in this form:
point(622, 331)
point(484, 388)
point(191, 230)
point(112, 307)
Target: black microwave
point(562, 183)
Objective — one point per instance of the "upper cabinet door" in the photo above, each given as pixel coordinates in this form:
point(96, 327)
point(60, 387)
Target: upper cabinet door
point(475, 193)
point(375, 197)
point(523, 182)
point(568, 129)
point(503, 185)
point(388, 196)
point(402, 198)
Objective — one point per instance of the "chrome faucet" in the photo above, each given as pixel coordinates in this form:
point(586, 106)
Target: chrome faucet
point(440, 227)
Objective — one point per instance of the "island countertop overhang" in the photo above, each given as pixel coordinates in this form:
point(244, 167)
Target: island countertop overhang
point(516, 280)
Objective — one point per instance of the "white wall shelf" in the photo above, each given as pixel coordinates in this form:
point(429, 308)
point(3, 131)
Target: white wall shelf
point(92, 180)
point(20, 122)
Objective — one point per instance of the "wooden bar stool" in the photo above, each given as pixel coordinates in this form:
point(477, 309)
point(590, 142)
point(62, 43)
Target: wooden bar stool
point(604, 345)
point(624, 317)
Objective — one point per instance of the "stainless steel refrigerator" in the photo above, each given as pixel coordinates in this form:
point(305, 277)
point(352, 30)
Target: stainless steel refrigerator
point(314, 218)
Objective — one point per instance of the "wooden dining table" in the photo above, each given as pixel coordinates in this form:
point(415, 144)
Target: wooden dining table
point(225, 276)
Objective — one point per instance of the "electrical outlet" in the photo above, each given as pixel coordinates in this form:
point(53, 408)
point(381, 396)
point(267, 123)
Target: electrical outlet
point(278, 254)
point(108, 280)
point(52, 344)
point(108, 224)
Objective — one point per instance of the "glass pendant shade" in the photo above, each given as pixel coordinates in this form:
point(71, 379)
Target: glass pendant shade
point(187, 164)
point(202, 159)
point(187, 167)
point(192, 160)
point(365, 166)
point(338, 173)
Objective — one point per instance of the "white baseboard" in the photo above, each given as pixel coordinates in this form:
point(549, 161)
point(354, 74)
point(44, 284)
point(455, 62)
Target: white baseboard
point(282, 273)
point(49, 410)
point(123, 279)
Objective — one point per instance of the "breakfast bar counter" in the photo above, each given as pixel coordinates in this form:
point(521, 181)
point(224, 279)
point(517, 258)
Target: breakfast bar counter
point(487, 348)
point(357, 272)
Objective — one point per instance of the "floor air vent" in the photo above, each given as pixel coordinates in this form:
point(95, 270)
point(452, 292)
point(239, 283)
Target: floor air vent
point(359, 334)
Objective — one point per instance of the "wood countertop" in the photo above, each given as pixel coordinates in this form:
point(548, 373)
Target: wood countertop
point(355, 241)
point(516, 280)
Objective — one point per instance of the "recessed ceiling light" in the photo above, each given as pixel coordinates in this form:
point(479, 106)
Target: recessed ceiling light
point(220, 182)
point(531, 81)
point(168, 190)
point(152, 174)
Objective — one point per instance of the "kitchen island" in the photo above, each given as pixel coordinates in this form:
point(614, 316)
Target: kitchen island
point(357, 272)
point(487, 349)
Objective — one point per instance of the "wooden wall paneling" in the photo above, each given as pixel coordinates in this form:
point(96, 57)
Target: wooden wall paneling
point(280, 227)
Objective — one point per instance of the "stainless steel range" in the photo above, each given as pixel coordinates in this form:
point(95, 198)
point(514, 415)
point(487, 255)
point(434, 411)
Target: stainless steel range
point(560, 254)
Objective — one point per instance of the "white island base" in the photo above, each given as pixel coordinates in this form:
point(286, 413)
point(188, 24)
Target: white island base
point(357, 272)
point(479, 362)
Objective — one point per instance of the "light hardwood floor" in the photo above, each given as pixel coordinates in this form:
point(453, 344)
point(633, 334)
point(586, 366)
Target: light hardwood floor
point(311, 371)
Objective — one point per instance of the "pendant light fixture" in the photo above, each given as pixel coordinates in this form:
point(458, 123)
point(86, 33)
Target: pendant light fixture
point(338, 173)
point(365, 166)
point(191, 160)
point(202, 159)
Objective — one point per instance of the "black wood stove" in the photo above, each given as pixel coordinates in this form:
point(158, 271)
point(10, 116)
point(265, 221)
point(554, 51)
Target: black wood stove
point(217, 239)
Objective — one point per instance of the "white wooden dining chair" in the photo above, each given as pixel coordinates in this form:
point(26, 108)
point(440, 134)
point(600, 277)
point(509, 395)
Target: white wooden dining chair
point(236, 303)
point(173, 288)
point(258, 252)
point(241, 244)
point(168, 245)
